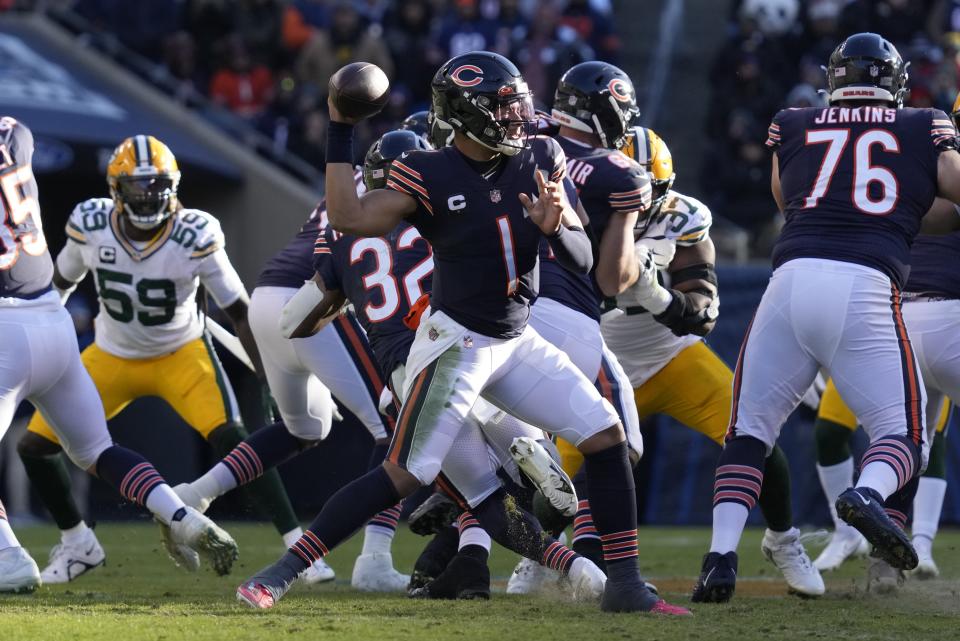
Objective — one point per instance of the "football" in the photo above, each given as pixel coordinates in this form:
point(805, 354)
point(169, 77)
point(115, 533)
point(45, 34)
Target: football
point(359, 90)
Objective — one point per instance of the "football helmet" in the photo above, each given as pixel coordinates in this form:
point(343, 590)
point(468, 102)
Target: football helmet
point(652, 153)
point(389, 147)
point(597, 98)
point(866, 66)
point(418, 122)
point(143, 177)
point(483, 96)
point(955, 112)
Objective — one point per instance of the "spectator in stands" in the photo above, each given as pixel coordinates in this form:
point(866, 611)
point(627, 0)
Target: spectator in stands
point(349, 39)
point(900, 21)
point(595, 28)
point(464, 30)
point(141, 26)
point(259, 25)
point(243, 87)
point(550, 49)
point(406, 34)
point(512, 26)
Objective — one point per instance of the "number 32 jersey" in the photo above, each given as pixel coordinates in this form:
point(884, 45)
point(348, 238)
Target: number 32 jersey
point(147, 291)
point(857, 181)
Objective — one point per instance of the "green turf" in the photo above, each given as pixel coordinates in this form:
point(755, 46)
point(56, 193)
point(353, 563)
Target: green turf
point(140, 595)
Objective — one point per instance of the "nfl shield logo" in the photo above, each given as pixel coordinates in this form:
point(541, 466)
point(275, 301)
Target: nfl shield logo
point(495, 195)
point(433, 334)
point(468, 342)
point(874, 71)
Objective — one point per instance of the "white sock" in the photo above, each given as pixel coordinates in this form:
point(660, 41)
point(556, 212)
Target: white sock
point(377, 539)
point(834, 479)
point(927, 505)
point(729, 520)
point(292, 536)
point(76, 534)
point(880, 477)
point(475, 536)
point(164, 502)
point(216, 482)
point(7, 538)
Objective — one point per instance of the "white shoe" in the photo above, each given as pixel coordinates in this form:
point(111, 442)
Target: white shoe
point(375, 573)
point(18, 571)
point(189, 495)
point(927, 567)
point(845, 543)
point(319, 572)
point(587, 580)
point(545, 473)
point(529, 577)
point(883, 578)
point(787, 553)
point(68, 561)
point(204, 537)
point(183, 556)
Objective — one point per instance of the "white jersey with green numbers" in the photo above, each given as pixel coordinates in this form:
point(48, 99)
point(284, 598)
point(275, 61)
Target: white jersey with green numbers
point(147, 291)
point(642, 345)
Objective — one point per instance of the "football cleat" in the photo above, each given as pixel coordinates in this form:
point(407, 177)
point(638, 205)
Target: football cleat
point(545, 474)
point(926, 566)
point(183, 556)
point(466, 577)
point(787, 553)
point(206, 538)
point(862, 508)
point(882, 578)
point(375, 573)
point(434, 514)
point(718, 578)
point(587, 581)
point(637, 597)
point(318, 572)
point(18, 571)
point(845, 543)
point(264, 589)
point(69, 561)
point(529, 577)
point(190, 496)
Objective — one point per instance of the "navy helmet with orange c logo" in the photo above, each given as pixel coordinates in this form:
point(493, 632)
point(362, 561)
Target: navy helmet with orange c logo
point(596, 97)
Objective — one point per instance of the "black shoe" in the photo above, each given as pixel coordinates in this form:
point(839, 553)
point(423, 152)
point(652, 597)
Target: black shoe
point(718, 578)
point(465, 578)
point(435, 557)
point(433, 515)
point(862, 508)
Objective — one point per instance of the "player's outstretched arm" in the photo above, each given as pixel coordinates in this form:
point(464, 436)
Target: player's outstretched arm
point(692, 274)
point(775, 183)
point(552, 213)
point(310, 309)
point(68, 270)
point(237, 313)
point(379, 211)
point(617, 267)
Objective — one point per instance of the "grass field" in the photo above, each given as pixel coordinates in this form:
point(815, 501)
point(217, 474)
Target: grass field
point(140, 595)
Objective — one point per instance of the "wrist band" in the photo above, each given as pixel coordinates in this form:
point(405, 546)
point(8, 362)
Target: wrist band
point(339, 142)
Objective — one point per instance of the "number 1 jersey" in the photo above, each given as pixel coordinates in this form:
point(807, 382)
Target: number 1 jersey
point(148, 291)
point(857, 181)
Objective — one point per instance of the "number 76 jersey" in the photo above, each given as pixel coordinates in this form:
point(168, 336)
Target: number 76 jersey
point(856, 182)
point(147, 291)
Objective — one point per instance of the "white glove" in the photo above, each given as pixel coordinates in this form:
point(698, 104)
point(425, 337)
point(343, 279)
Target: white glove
point(662, 249)
point(649, 292)
point(299, 307)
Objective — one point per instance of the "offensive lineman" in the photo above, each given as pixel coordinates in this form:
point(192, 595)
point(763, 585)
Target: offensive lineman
point(854, 180)
point(147, 254)
point(40, 362)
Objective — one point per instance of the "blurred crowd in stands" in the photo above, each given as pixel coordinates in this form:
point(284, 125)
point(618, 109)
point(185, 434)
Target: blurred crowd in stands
point(772, 59)
point(268, 61)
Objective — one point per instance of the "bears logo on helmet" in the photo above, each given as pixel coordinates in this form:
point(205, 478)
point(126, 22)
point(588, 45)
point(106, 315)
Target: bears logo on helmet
point(472, 82)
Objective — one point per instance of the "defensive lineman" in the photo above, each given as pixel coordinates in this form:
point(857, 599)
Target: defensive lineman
point(854, 180)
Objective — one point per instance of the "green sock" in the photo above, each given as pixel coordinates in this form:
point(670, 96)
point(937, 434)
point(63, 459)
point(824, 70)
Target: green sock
point(775, 493)
point(51, 480)
point(937, 465)
point(833, 442)
point(267, 492)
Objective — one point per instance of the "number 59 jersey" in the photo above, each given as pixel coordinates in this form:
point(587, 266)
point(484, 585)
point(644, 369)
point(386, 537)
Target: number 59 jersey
point(147, 291)
point(857, 181)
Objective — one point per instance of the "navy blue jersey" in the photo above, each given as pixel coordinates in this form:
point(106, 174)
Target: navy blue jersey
point(293, 264)
point(576, 291)
point(484, 246)
point(383, 278)
point(935, 266)
point(857, 181)
point(25, 264)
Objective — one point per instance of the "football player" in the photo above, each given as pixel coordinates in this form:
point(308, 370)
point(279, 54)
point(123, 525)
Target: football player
point(148, 254)
point(40, 362)
point(854, 180)
point(836, 424)
point(474, 203)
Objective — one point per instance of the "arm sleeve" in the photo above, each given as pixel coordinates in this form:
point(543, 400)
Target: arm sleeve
point(943, 132)
point(221, 279)
point(70, 262)
point(572, 249)
point(773, 133)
